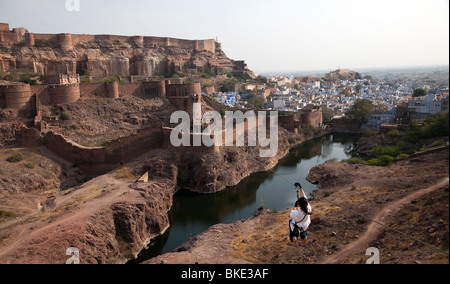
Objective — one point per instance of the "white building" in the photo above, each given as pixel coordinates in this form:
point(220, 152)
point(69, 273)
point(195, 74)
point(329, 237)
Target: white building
point(375, 120)
point(279, 104)
point(425, 106)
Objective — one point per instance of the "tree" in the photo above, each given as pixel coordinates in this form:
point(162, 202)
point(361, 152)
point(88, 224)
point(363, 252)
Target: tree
point(328, 115)
point(255, 101)
point(419, 92)
point(361, 110)
point(226, 86)
point(25, 79)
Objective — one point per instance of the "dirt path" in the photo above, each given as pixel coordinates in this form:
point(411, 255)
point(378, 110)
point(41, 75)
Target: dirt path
point(374, 229)
point(91, 194)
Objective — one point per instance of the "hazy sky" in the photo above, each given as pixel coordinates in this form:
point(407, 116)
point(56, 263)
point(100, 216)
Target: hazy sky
point(282, 35)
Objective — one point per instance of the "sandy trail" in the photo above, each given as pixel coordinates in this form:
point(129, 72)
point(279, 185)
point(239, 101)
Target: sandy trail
point(374, 229)
point(29, 230)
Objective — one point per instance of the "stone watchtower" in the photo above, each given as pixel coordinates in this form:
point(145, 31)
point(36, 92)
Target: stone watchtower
point(65, 42)
point(30, 38)
point(4, 27)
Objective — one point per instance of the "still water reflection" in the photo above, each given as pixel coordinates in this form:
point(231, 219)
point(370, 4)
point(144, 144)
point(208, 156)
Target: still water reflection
point(192, 214)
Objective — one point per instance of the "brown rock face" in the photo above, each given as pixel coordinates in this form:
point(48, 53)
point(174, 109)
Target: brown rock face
point(100, 57)
point(108, 219)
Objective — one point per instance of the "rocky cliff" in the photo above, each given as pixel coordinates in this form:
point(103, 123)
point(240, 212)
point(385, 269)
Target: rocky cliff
point(410, 196)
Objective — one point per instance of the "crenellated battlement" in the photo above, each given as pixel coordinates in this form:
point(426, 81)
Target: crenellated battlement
point(68, 41)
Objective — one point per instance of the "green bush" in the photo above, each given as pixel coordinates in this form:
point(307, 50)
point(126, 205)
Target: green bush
point(86, 81)
point(413, 137)
point(15, 158)
point(48, 175)
point(436, 126)
point(433, 127)
point(226, 87)
point(55, 110)
point(208, 74)
point(25, 79)
point(393, 151)
point(104, 143)
point(414, 125)
point(44, 43)
point(179, 75)
point(30, 165)
point(394, 133)
point(381, 161)
point(354, 161)
point(65, 116)
point(7, 214)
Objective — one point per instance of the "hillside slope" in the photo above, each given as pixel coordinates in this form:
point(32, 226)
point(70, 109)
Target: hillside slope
point(418, 188)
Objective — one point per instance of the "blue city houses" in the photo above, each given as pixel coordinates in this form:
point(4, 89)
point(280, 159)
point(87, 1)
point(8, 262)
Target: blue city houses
point(230, 99)
point(391, 93)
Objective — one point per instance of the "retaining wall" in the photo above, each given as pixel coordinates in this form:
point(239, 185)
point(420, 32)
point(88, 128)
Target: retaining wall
point(100, 160)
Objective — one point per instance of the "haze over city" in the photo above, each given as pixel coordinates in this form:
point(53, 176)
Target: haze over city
point(271, 36)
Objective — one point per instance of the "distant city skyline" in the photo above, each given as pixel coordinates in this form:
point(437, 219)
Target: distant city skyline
point(271, 36)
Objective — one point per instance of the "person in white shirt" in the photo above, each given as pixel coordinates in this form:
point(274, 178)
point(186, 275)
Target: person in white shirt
point(300, 217)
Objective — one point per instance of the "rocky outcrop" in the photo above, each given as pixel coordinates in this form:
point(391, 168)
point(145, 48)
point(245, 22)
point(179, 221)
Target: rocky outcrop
point(326, 175)
point(109, 219)
point(211, 172)
point(264, 238)
point(107, 57)
point(214, 246)
point(342, 74)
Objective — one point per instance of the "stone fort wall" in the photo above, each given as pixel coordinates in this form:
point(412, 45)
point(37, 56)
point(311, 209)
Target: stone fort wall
point(312, 116)
point(67, 41)
point(100, 160)
point(25, 98)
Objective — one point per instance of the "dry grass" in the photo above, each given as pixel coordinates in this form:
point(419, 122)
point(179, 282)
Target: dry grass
point(270, 240)
point(124, 174)
point(263, 245)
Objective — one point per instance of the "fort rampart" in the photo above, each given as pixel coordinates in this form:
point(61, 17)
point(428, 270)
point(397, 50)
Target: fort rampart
point(68, 41)
point(100, 160)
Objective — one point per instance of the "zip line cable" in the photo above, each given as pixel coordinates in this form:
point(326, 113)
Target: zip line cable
point(367, 217)
point(352, 210)
point(360, 214)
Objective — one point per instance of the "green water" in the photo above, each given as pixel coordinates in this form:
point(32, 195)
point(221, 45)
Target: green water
point(192, 214)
